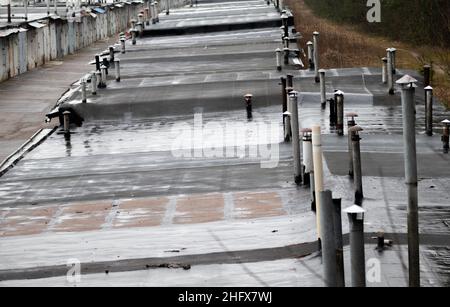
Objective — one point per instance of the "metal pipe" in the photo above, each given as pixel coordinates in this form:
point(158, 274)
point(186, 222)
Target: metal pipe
point(153, 7)
point(93, 83)
point(390, 71)
point(111, 54)
point(429, 110)
point(286, 56)
point(340, 112)
point(287, 114)
point(290, 81)
point(337, 219)
point(97, 62)
point(278, 57)
point(66, 116)
point(394, 61)
point(350, 123)
point(328, 239)
point(357, 169)
point(446, 135)
point(407, 84)
point(25, 4)
point(323, 91)
point(56, 7)
point(310, 55)
point(248, 103)
point(316, 55)
point(384, 70)
point(117, 67)
point(133, 36)
point(357, 252)
point(293, 101)
point(283, 101)
point(102, 83)
point(318, 173)
point(167, 7)
point(83, 90)
point(308, 166)
point(48, 7)
point(426, 75)
point(122, 43)
point(332, 102)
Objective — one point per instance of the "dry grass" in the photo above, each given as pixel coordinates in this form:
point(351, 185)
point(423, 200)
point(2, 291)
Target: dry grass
point(346, 46)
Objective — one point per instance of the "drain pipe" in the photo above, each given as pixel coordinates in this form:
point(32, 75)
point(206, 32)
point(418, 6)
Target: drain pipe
point(248, 103)
point(278, 57)
point(167, 7)
point(111, 54)
point(284, 19)
point(339, 112)
point(323, 92)
point(293, 101)
point(117, 67)
point(426, 75)
point(394, 61)
point(308, 166)
point(332, 102)
point(390, 64)
point(93, 83)
point(429, 110)
point(25, 4)
point(97, 62)
point(337, 219)
point(133, 36)
point(357, 252)
point(316, 55)
point(446, 135)
point(102, 83)
point(318, 175)
point(357, 169)
point(384, 70)
point(83, 90)
point(287, 117)
point(283, 101)
point(350, 124)
point(122, 43)
point(328, 239)
point(310, 55)
point(286, 56)
point(66, 116)
point(408, 85)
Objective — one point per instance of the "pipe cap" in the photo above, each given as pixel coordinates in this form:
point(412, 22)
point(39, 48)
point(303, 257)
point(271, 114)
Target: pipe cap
point(446, 122)
point(309, 43)
point(316, 33)
point(406, 79)
point(354, 210)
point(287, 113)
point(351, 114)
point(428, 88)
point(306, 130)
point(356, 129)
point(339, 93)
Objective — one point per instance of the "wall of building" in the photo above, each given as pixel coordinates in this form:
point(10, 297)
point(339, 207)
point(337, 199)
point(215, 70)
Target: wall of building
point(32, 47)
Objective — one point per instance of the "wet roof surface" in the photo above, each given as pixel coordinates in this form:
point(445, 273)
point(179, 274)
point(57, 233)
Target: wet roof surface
point(138, 141)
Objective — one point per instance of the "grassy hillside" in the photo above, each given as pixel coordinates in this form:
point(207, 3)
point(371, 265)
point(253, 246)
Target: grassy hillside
point(412, 21)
